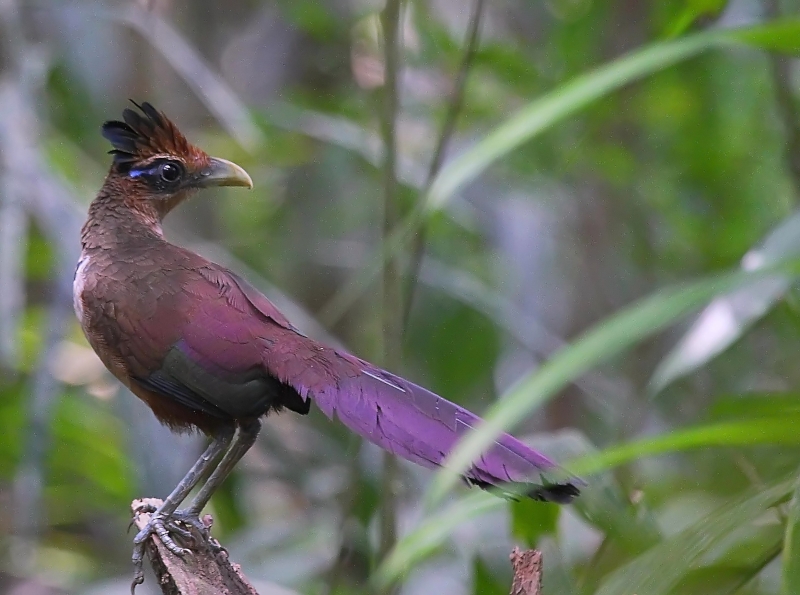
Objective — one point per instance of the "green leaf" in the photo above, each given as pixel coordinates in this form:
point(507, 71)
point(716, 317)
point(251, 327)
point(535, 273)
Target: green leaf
point(541, 115)
point(530, 520)
point(749, 432)
point(659, 570)
point(557, 105)
point(484, 582)
point(727, 577)
point(420, 543)
point(729, 316)
point(599, 344)
point(537, 117)
point(780, 36)
point(564, 101)
point(602, 505)
point(693, 10)
point(750, 552)
point(756, 405)
point(791, 546)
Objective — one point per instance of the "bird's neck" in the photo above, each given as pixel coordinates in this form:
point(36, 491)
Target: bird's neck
point(117, 222)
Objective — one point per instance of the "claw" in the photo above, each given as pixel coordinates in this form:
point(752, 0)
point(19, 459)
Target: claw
point(217, 547)
point(145, 507)
point(138, 579)
point(174, 527)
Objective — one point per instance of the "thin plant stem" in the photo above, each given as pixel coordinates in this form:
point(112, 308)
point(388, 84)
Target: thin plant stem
point(786, 104)
point(392, 310)
point(448, 127)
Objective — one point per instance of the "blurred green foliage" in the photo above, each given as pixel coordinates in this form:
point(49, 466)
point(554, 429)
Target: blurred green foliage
point(613, 166)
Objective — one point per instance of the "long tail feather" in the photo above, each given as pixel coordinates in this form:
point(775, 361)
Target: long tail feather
point(422, 427)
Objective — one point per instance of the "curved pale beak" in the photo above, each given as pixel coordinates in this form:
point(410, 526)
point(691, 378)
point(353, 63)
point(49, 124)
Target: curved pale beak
point(221, 172)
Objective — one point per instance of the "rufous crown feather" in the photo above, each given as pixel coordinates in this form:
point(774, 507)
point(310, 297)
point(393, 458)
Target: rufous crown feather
point(145, 135)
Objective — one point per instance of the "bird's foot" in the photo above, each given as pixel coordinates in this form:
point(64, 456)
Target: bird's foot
point(186, 525)
point(193, 522)
point(179, 519)
point(200, 528)
point(164, 528)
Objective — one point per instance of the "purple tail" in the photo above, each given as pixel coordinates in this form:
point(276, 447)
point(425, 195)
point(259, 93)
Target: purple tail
point(395, 414)
point(422, 427)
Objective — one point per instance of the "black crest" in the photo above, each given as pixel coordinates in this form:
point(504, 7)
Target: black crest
point(143, 135)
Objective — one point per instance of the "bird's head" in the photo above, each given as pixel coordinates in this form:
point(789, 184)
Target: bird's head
point(156, 168)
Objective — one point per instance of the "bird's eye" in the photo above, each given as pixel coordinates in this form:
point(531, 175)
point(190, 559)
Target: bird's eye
point(170, 172)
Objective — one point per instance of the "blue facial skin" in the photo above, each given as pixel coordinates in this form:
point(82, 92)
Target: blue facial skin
point(135, 173)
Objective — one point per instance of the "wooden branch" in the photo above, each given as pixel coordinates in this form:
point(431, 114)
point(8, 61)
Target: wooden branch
point(527, 572)
point(208, 570)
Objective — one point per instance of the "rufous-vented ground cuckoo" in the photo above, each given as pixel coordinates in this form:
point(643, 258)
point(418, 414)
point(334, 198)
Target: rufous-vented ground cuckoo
point(205, 350)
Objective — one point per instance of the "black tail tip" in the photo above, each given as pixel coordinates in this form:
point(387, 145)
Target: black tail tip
point(560, 493)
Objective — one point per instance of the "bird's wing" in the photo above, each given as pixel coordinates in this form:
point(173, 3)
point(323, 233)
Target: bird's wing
point(212, 361)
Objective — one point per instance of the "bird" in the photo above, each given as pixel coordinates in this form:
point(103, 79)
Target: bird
point(208, 352)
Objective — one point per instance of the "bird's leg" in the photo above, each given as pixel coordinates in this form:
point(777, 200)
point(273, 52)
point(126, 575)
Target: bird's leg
point(245, 438)
point(160, 517)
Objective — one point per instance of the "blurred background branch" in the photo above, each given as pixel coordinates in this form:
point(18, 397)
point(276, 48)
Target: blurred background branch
point(187, 62)
point(392, 291)
point(454, 105)
point(30, 189)
point(786, 101)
